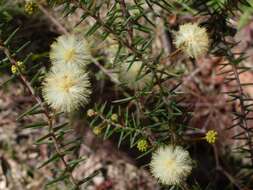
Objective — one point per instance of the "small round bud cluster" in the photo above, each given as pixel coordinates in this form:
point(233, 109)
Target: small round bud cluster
point(114, 117)
point(16, 68)
point(97, 130)
point(192, 40)
point(211, 136)
point(30, 7)
point(91, 113)
point(142, 145)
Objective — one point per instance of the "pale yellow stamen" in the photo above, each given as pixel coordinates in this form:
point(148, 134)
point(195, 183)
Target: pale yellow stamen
point(169, 163)
point(67, 84)
point(69, 54)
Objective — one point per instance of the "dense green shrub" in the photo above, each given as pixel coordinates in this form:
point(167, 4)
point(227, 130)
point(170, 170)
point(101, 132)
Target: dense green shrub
point(122, 66)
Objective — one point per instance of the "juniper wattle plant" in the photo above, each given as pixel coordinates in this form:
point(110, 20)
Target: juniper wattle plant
point(135, 72)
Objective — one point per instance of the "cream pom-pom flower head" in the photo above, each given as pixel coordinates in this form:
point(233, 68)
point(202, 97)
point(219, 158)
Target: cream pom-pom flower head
point(192, 39)
point(171, 165)
point(66, 88)
point(134, 75)
point(70, 49)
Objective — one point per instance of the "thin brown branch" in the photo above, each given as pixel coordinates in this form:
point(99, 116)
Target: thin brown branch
point(243, 111)
point(123, 42)
point(50, 119)
point(58, 25)
point(63, 30)
point(144, 132)
point(149, 62)
point(107, 28)
point(223, 171)
point(126, 14)
point(105, 71)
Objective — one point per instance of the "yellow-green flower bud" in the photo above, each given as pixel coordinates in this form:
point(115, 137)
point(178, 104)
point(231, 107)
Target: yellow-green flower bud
point(97, 130)
point(19, 67)
point(14, 69)
point(30, 7)
point(91, 113)
point(142, 145)
point(211, 136)
point(114, 117)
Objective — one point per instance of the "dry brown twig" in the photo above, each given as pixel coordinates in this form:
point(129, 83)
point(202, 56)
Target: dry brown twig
point(223, 171)
point(61, 29)
point(49, 117)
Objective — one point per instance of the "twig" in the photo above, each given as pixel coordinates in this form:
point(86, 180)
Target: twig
point(119, 39)
point(126, 14)
point(243, 112)
point(108, 28)
point(223, 171)
point(107, 72)
point(63, 30)
point(59, 26)
point(149, 62)
point(50, 119)
point(144, 132)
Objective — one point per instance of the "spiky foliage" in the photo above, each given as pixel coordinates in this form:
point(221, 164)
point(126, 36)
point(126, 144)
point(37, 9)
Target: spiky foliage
point(155, 112)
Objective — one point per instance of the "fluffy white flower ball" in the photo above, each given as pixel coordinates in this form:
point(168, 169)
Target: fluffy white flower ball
point(70, 49)
point(192, 40)
point(66, 88)
point(171, 165)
